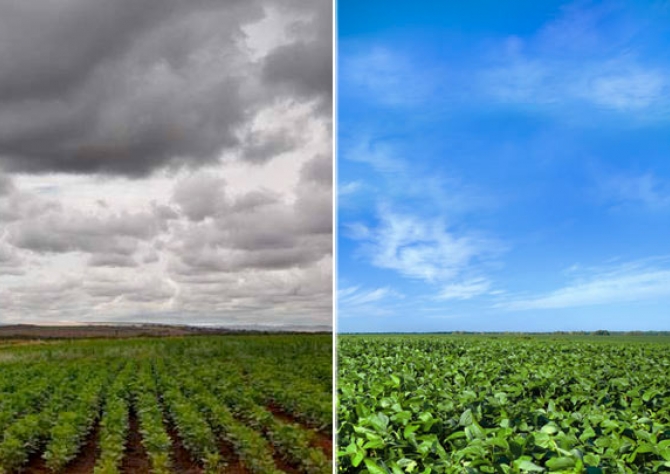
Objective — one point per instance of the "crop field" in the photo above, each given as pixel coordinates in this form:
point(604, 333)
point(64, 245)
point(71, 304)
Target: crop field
point(478, 404)
point(257, 404)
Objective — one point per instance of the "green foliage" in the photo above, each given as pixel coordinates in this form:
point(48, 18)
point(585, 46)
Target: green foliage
point(114, 424)
point(53, 397)
point(426, 404)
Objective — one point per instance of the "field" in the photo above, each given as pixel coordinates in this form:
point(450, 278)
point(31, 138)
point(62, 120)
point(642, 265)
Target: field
point(479, 404)
point(257, 404)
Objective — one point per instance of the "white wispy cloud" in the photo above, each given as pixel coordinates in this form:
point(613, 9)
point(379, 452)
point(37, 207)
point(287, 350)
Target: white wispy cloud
point(414, 228)
point(351, 187)
point(466, 290)
point(420, 248)
point(386, 76)
point(355, 296)
point(629, 282)
point(644, 190)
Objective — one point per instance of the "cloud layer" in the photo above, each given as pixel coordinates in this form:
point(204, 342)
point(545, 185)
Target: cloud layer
point(124, 87)
point(166, 161)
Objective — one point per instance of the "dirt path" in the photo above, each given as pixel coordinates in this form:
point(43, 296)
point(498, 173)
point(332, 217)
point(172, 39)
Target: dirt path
point(135, 459)
point(319, 440)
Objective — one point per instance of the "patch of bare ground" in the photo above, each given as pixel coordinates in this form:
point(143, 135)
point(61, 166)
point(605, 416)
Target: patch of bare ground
point(319, 440)
point(36, 464)
point(82, 464)
point(282, 464)
point(135, 459)
point(181, 458)
point(85, 461)
point(232, 460)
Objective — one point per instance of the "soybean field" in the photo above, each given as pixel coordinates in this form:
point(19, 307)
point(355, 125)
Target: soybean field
point(486, 404)
point(200, 404)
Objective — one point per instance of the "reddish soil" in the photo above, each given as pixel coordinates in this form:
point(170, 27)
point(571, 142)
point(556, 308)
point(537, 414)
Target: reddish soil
point(82, 464)
point(135, 459)
point(181, 459)
point(233, 463)
point(282, 464)
point(36, 464)
point(182, 462)
point(85, 461)
point(319, 440)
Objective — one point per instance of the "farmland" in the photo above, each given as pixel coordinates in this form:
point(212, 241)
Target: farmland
point(485, 404)
point(258, 404)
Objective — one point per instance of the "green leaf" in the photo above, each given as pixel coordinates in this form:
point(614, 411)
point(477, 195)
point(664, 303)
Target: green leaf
point(559, 463)
point(373, 467)
point(466, 418)
point(528, 466)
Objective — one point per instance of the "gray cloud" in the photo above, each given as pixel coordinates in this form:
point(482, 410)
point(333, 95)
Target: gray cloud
point(200, 196)
point(147, 153)
point(111, 260)
point(318, 170)
point(56, 230)
point(305, 65)
point(126, 87)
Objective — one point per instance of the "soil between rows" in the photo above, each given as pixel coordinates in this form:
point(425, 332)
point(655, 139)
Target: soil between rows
point(82, 464)
point(135, 459)
point(320, 440)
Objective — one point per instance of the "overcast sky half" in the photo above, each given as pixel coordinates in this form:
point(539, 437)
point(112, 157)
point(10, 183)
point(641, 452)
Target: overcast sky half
point(166, 161)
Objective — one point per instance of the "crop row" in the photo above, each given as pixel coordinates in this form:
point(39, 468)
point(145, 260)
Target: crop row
point(165, 394)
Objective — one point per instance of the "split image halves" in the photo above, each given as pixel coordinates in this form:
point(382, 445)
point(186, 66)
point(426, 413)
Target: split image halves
point(166, 236)
point(503, 257)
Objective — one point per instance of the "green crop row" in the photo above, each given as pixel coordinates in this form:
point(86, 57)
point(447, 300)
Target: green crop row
point(114, 424)
point(154, 436)
point(291, 441)
point(134, 402)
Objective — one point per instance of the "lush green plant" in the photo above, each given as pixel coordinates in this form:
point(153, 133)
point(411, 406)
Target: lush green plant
point(501, 405)
point(154, 436)
point(114, 424)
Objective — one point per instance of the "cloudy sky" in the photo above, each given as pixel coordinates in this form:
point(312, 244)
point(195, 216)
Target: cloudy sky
point(504, 170)
point(166, 161)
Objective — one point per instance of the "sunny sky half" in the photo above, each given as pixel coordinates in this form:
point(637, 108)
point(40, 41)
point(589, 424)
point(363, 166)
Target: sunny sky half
point(503, 169)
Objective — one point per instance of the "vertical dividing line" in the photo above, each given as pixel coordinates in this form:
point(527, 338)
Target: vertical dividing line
point(335, 227)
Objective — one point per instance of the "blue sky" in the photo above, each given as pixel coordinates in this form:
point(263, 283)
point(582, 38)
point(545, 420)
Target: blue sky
point(503, 169)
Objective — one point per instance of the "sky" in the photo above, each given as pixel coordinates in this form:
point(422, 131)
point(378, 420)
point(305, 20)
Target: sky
point(503, 170)
point(166, 161)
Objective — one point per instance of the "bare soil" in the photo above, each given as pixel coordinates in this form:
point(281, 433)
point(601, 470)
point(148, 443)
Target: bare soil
point(319, 440)
point(181, 459)
point(136, 459)
point(233, 463)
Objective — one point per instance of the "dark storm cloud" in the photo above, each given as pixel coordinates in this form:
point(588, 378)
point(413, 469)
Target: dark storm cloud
point(305, 65)
point(127, 86)
point(261, 149)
